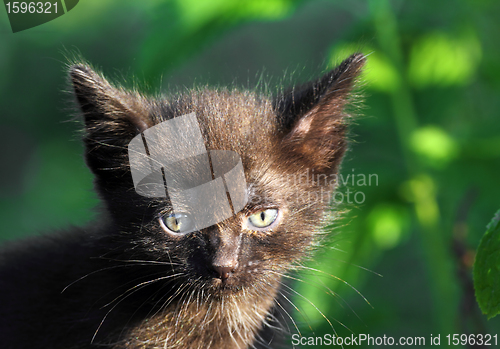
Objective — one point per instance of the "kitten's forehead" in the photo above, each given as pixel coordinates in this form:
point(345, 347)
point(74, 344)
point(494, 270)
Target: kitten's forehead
point(239, 121)
point(234, 120)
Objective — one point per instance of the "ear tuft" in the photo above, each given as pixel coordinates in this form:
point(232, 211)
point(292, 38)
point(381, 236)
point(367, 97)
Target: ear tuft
point(312, 117)
point(113, 117)
point(101, 102)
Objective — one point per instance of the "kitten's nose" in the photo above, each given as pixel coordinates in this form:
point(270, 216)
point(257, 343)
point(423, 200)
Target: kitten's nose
point(224, 271)
point(226, 245)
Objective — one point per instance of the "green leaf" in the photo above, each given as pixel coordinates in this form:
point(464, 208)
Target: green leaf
point(487, 270)
point(388, 223)
point(434, 145)
point(440, 59)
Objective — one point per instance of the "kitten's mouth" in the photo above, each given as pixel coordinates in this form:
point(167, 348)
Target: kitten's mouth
point(224, 286)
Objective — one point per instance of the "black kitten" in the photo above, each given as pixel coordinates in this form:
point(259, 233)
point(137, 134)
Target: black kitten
point(147, 276)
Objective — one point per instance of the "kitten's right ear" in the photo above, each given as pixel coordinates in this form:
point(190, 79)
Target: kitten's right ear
point(312, 118)
point(112, 115)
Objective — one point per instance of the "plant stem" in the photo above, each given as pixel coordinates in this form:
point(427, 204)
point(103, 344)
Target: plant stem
point(425, 201)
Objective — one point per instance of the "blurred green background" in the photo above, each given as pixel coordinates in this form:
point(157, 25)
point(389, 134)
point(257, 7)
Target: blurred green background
point(429, 131)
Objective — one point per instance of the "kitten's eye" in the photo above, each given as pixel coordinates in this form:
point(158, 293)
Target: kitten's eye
point(263, 219)
point(176, 223)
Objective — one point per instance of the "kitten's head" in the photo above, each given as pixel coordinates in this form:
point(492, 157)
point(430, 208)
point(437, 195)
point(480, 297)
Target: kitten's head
point(290, 146)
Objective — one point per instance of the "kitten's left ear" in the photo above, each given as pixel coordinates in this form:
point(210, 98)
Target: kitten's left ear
point(312, 117)
point(101, 102)
point(112, 115)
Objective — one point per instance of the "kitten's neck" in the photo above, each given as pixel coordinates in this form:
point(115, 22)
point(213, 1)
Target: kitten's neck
point(227, 323)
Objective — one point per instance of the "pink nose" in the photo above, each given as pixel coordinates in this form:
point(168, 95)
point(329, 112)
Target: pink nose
point(224, 272)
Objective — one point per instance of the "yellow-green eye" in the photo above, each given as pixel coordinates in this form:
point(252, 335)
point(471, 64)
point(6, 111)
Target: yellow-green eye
point(176, 223)
point(263, 219)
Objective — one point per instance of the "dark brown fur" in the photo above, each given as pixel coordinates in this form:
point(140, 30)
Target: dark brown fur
point(126, 283)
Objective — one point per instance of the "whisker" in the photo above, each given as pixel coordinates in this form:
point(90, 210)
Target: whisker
point(323, 286)
point(336, 278)
point(296, 308)
point(149, 315)
point(349, 263)
point(140, 261)
point(145, 283)
point(95, 272)
point(135, 289)
point(319, 311)
point(288, 314)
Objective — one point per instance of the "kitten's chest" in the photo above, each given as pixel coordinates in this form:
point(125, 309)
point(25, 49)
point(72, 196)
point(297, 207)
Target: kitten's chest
point(225, 323)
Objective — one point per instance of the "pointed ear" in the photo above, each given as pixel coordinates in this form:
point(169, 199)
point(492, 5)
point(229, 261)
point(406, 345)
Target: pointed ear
point(112, 117)
point(312, 117)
